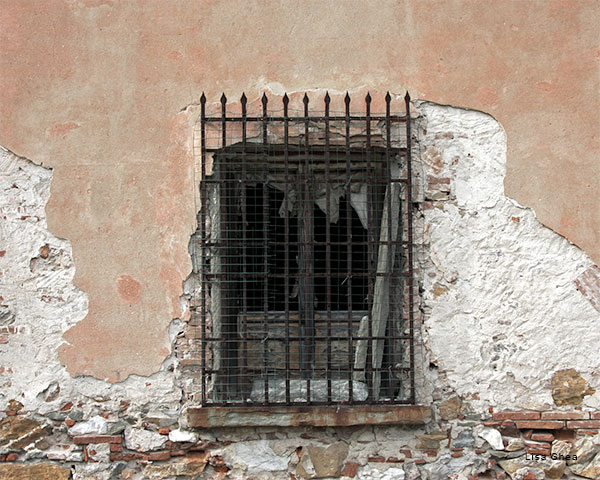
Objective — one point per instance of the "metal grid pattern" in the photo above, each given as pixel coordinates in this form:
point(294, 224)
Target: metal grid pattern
point(304, 257)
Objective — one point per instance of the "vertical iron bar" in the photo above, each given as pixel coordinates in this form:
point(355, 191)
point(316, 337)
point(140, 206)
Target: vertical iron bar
point(371, 248)
point(349, 250)
point(264, 101)
point(328, 244)
point(410, 247)
point(203, 283)
point(286, 101)
point(244, 259)
point(306, 288)
point(389, 273)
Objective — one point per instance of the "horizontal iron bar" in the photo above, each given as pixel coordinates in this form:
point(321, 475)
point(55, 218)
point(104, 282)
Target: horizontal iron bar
point(336, 118)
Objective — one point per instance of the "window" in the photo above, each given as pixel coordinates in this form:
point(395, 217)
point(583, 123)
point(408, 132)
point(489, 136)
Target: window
point(304, 255)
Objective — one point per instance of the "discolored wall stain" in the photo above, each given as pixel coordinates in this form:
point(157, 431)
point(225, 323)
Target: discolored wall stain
point(129, 289)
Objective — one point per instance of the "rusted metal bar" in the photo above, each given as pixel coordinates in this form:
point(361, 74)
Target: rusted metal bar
point(409, 210)
point(371, 249)
point(349, 251)
point(244, 356)
point(286, 127)
point(203, 269)
point(265, 199)
point(328, 245)
point(312, 118)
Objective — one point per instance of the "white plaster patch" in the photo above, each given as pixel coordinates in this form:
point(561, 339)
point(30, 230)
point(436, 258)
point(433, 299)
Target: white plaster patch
point(143, 440)
point(41, 303)
point(508, 315)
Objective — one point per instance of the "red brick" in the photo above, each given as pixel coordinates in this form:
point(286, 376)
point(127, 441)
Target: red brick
point(159, 456)
point(529, 476)
point(537, 444)
point(565, 415)
point(564, 434)
point(508, 423)
point(69, 422)
point(126, 457)
point(587, 431)
point(116, 447)
point(516, 415)
point(542, 437)
point(178, 453)
point(420, 461)
point(595, 415)
point(376, 459)
point(541, 424)
point(66, 406)
point(406, 452)
point(98, 439)
point(394, 460)
point(10, 413)
point(538, 451)
point(480, 451)
point(583, 424)
point(11, 457)
point(164, 430)
point(430, 452)
point(456, 454)
point(492, 423)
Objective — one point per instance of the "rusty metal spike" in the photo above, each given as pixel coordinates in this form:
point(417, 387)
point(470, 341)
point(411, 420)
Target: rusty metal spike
point(327, 98)
point(264, 99)
point(305, 99)
point(286, 99)
point(407, 97)
point(203, 98)
point(347, 99)
point(223, 99)
point(243, 98)
point(388, 97)
point(368, 98)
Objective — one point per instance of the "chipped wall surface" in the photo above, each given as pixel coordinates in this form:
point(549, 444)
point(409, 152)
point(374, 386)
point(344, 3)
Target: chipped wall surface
point(92, 88)
point(506, 325)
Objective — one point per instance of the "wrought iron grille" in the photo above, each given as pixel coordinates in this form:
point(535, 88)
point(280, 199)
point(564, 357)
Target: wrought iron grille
point(304, 256)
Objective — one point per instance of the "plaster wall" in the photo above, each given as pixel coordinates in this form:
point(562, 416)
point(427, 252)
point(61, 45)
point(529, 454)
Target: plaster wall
point(498, 290)
point(92, 89)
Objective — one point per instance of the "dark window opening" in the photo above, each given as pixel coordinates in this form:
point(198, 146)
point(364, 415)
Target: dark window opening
point(305, 260)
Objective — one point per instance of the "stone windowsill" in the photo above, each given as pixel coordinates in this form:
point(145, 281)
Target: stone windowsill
point(317, 416)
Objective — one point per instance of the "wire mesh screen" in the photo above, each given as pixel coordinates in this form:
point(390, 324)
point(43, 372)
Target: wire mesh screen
point(304, 256)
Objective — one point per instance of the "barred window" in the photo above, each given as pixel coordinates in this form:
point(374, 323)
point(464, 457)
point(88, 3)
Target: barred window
point(304, 257)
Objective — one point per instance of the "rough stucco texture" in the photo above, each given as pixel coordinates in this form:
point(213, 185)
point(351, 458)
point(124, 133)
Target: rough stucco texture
point(92, 89)
point(503, 313)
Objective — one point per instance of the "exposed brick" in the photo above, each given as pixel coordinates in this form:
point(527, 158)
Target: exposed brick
point(595, 415)
point(516, 415)
point(164, 430)
point(116, 447)
point(66, 406)
point(376, 459)
point(430, 452)
point(178, 453)
point(480, 451)
point(537, 444)
point(492, 423)
point(350, 469)
point(12, 457)
point(508, 423)
point(126, 457)
point(98, 439)
point(583, 424)
point(159, 456)
point(394, 460)
point(587, 431)
point(406, 452)
point(538, 451)
point(420, 461)
point(456, 454)
point(588, 283)
point(542, 437)
point(69, 422)
point(574, 415)
point(541, 424)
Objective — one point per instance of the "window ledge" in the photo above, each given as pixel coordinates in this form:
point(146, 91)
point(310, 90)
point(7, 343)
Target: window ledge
point(316, 416)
